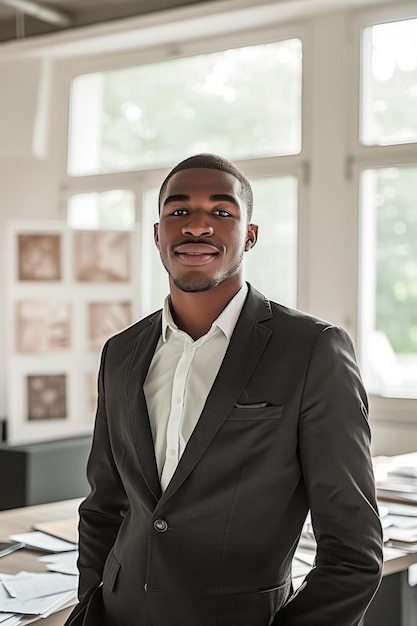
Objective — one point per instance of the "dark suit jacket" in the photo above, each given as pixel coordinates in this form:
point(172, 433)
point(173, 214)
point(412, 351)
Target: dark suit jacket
point(284, 430)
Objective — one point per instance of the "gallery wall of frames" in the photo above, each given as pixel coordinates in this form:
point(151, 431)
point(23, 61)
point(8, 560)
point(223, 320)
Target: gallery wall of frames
point(69, 290)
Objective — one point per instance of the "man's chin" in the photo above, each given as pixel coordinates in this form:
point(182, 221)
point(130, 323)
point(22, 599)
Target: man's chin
point(194, 285)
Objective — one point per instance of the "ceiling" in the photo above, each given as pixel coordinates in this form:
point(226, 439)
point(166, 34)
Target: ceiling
point(29, 18)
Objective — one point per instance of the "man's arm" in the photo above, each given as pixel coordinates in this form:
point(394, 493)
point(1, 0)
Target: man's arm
point(100, 512)
point(334, 444)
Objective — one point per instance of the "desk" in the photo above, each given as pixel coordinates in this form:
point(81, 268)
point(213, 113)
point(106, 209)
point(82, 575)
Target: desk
point(21, 520)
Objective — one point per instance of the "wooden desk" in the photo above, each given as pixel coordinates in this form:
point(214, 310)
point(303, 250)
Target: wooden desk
point(22, 520)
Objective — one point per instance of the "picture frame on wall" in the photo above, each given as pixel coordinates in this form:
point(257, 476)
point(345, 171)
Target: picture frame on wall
point(39, 256)
point(102, 256)
point(42, 326)
point(69, 290)
point(105, 319)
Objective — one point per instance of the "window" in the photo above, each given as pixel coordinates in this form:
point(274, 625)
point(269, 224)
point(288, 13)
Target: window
point(388, 267)
point(113, 210)
point(389, 83)
point(389, 261)
point(244, 102)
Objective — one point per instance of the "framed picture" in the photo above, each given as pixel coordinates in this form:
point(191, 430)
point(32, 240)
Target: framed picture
point(42, 326)
point(46, 397)
point(106, 319)
point(60, 313)
point(39, 257)
point(101, 256)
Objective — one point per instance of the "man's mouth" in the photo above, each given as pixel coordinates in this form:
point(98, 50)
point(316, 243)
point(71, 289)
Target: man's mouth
point(195, 253)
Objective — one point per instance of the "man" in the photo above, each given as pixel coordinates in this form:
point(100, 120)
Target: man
point(221, 422)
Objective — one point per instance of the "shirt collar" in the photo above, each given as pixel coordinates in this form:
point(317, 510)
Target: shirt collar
point(226, 320)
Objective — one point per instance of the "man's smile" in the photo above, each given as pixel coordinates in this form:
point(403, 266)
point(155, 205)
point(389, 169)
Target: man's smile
point(195, 253)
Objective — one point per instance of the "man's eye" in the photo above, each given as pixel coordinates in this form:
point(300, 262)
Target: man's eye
point(222, 213)
point(179, 212)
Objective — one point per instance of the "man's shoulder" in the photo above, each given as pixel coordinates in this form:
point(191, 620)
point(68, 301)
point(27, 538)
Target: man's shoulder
point(131, 332)
point(283, 315)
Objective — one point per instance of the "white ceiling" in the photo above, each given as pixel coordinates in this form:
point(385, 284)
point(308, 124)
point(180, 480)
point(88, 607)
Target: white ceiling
point(73, 20)
point(29, 18)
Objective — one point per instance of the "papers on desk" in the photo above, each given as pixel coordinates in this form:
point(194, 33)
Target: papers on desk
point(40, 594)
point(35, 594)
point(30, 586)
point(41, 541)
point(9, 619)
point(396, 483)
point(65, 563)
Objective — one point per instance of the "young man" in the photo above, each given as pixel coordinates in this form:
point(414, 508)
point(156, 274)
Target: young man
point(222, 420)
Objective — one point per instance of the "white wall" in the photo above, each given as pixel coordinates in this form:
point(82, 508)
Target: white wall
point(29, 175)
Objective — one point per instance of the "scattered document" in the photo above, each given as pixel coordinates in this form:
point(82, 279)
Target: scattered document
point(299, 568)
point(65, 562)
point(41, 541)
point(6, 619)
point(10, 620)
point(33, 586)
point(22, 603)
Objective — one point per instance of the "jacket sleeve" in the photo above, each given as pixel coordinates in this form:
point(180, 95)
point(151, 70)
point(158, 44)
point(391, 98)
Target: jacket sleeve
point(334, 448)
point(101, 512)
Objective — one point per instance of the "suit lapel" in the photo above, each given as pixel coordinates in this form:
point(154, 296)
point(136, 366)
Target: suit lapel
point(138, 412)
point(248, 341)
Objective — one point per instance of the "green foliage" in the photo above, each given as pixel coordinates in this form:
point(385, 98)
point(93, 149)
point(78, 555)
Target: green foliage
point(396, 281)
point(243, 102)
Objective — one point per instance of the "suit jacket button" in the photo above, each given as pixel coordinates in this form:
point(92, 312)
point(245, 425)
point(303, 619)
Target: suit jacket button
point(160, 525)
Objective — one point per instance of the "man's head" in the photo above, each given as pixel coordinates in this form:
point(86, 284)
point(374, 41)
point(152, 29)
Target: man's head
point(204, 229)
point(215, 162)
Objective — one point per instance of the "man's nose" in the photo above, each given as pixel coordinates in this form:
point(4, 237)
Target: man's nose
point(197, 226)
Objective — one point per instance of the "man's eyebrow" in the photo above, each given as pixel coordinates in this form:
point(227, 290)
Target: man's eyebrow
point(218, 197)
point(224, 197)
point(176, 198)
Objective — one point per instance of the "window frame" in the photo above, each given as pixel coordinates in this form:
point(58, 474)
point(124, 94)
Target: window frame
point(385, 410)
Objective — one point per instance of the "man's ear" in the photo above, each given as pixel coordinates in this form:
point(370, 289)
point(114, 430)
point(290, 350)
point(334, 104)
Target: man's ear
point(156, 235)
point(251, 236)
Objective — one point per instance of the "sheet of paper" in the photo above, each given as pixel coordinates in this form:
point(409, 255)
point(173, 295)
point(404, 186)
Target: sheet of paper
point(39, 585)
point(4, 617)
point(14, 620)
point(299, 568)
point(65, 562)
point(66, 600)
point(38, 606)
point(305, 556)
point(42, 541)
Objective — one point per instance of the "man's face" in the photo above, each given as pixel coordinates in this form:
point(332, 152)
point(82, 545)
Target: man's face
point(203, 230)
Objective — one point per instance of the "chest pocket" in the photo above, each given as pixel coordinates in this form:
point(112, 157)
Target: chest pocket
point(256, 412)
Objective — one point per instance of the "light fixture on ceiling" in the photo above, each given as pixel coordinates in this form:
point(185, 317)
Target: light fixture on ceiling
point(42, 13)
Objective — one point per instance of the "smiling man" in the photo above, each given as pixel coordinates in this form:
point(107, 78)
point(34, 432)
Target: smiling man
point(222, 420)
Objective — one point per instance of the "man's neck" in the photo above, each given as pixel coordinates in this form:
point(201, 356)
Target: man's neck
point(195, 312)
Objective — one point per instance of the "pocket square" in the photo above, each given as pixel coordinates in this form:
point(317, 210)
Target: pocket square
point(256, 405)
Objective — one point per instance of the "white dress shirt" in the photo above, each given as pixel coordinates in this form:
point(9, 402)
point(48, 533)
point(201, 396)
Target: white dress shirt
point(179, 380)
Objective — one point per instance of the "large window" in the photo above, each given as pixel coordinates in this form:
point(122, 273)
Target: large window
point(389, 83)
point(244, 102)
point(388, 209)
point(129, 125)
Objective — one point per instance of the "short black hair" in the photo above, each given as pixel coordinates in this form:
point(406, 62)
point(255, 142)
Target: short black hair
point(213, 162)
